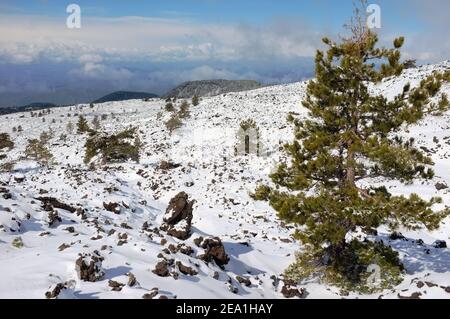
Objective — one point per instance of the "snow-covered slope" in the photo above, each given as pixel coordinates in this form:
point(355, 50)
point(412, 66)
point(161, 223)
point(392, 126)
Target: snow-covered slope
point(258, 244)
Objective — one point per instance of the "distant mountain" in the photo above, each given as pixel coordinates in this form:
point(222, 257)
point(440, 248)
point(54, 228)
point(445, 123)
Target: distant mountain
point(125, 95)
point(211, 88)
point(29, 107)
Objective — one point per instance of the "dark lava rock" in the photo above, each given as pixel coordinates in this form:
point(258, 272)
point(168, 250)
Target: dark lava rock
point(162, 269)
point(214, 250)
point(441, 186)
point(292, 292)
point(185, 269)
point(415, 295)
point(243, 280)
point(178, 217)
point(89, 267)
point(53, 218)
point(440, 244)
point(396, 236)
point(48, 203)
point(55, 291)
point(112, 207)
point(116, 286)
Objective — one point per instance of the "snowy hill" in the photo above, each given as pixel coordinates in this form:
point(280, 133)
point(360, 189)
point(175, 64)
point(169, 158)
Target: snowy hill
point(37, 253)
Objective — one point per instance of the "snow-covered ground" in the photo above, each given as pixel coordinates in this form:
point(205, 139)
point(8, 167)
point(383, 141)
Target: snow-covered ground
point(259, 246)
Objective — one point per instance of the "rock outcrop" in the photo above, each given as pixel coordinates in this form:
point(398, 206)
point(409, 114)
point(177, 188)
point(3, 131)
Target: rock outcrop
point(178, 217)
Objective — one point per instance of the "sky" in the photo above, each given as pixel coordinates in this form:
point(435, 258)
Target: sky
point(152, 46)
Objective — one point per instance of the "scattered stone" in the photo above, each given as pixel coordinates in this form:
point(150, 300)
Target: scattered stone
point(53, 218)
point(116, 286)
point(63, 246)
point(132, 281)
point(415, 295)
point(214, 250)
point(162, 269)
point(233, 289)
point(440, 244)
point(70, 229)
point(292, 292)
point(441, 186)
point(112, 207)
point(216, 275)
point(396, 236)
point(55, 290)
point(186, 270)
point(49, 203)
point(165, 165)
point(152, 294)
point(178, 217)
point(243, 280)
point(89, 267)
point(420, 284)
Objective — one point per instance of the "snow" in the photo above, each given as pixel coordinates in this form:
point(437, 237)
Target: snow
point(258, 244)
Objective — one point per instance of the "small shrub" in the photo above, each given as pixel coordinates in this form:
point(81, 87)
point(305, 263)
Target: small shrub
point(173, 123)
point(184, 110)
point(195, 100)
point(82, 125)
point(5, 141)
point(114, 148)
point(36, 150)
point(169, 107)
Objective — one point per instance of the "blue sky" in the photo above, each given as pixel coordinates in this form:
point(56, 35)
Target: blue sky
point(154, 45)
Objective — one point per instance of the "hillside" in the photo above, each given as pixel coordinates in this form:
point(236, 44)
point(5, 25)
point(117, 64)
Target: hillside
point(116, 212)
point(124, 96)
point(29, 107)
point(211, 88)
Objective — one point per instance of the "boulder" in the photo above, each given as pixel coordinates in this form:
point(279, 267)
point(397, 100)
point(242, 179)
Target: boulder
point(441, 186)
point(214, 250)
point(293, 292)
point(162, 269)
point(440, 244)
point(178, 217)
point(89, 267)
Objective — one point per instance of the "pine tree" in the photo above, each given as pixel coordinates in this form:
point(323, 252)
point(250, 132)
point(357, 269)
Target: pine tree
point(195, 100)
point(39, 152)
point(5, 141)
point(82, 125)
point(69, 127)
point(184, 110)
point(351, 136)
point(96, 123)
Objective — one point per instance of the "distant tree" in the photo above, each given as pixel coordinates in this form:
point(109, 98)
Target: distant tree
point(39, 152)
point(350, 137)
point(195, 100)
point(96, 122)
point(169, 107)
point(173, 123)
point(113, 148)
point(184, 110)
point(82, 125)
point(5, 142)
point(69, 127)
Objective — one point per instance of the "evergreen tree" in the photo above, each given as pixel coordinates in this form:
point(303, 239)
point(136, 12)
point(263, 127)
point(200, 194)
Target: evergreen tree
point(351, 136)
point(39, 152)
point(114, 148)
point(96, 122)
point(69, 127)
point(82, 125)
point(5, 141)
point(195, 100)
point(184, 110)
